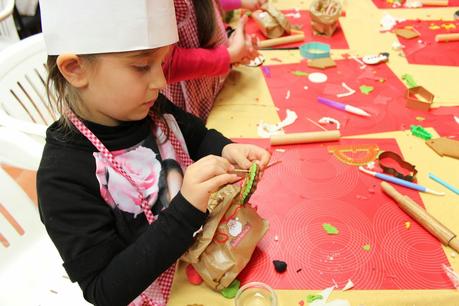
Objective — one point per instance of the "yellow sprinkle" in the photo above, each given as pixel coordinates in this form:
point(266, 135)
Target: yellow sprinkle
point(419, 118)
point(407, 224)
point(448, 26)
point(434, 27)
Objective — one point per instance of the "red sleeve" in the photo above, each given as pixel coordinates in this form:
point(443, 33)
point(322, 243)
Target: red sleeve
point(194, 63)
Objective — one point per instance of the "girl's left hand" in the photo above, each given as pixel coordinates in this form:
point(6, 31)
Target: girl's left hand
point(243, 155)
point(252, 5)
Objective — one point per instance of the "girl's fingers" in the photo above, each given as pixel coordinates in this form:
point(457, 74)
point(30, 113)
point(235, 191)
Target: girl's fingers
point(214, 183)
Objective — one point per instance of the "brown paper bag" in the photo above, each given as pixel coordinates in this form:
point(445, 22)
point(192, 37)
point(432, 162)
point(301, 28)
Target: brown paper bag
point(271, 21)
point(228, 239)
point(324, 16)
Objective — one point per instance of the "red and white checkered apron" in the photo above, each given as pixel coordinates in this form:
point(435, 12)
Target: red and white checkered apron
point(150, 297)
point(195, 96)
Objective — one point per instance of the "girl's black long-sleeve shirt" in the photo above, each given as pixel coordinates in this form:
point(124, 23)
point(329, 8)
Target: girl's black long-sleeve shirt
point(107, 246)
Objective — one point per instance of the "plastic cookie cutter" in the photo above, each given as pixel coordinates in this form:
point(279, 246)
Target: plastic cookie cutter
point(420, 132)
point(355, 155)
point(315, 50)
point(383, 158)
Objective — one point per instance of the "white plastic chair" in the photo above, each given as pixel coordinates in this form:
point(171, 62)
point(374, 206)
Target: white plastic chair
point(23, 102)
point(8, 32)
point(31, 272)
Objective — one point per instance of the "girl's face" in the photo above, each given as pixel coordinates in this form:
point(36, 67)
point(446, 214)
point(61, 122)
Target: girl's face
point(123, 86)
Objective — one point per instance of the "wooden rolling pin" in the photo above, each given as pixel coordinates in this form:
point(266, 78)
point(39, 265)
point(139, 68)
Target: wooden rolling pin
point(447, 37)
point(305, 137)
point(421, 216)
point(281, 40)
point(434, 2)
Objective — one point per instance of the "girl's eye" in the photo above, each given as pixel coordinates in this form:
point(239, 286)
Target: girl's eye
point(142, 68)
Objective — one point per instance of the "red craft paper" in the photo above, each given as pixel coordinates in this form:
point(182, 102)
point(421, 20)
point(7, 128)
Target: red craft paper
point(386, 103)
point(311, 187)
point(428, 51)
point(337, 41)
point(382, 4)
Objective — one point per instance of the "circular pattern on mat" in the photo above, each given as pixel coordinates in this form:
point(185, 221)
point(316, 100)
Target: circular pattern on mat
point(314, 173)
point(408, 253)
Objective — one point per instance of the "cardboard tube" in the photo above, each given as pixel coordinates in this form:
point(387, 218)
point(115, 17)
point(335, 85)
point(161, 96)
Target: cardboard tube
point(447, 37)
point(305, 137)
point(421, 216)
point(281, 40)
point(434, 2)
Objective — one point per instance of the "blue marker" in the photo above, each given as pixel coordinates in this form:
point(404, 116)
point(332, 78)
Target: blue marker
point(442, 182)
point(400, 182)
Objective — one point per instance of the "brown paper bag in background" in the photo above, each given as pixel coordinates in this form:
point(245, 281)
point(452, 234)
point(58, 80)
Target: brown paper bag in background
point(272, 22)
point(228, 239)
point(324, 16)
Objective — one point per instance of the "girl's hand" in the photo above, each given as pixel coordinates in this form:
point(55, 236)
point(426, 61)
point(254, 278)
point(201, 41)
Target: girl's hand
point(242, 48)
point(252, 5)
point(243, 155)
point(205, 176)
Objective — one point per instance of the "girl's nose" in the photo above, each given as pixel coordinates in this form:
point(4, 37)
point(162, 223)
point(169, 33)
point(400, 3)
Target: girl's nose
point(158, 81)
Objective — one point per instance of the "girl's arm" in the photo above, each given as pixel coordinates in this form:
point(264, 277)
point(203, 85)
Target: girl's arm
point(193, 63)
point(229, 5)
point(109, 269)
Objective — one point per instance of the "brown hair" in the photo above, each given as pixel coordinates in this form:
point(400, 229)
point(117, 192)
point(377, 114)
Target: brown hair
point(207, 24)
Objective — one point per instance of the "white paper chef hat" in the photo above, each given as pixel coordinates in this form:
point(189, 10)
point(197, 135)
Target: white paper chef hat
point(102, 26)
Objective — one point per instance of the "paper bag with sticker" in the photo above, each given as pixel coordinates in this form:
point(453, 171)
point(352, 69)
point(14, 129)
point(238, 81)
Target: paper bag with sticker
point(271, 22)
point(230, 235)
point(324, 16)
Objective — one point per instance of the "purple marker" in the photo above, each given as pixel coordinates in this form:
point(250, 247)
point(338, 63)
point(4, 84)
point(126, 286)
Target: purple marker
point(344, 107)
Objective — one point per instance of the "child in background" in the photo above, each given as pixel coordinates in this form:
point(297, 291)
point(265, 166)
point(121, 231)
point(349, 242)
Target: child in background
point(101, 178)
point(200, 25)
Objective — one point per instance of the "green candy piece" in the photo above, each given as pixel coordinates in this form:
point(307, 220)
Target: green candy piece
point(250, 182)
point(313, 297)
point(299, 73)
point(366, 89)
point(330, 229)
point(230, 291)
point(420, 132)
point(366, 247)
point(409, 80)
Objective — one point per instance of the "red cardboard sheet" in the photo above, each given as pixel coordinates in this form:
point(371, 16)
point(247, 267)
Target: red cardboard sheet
point(424, 50)
point(337, 41)
point(382, 4)
point(311, 187)
point(386, 103)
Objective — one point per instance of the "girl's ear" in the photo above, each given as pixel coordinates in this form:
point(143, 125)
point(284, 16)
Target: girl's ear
point(72, 68)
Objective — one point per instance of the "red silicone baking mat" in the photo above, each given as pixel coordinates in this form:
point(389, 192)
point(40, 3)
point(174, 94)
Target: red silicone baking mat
point(386, 103)
point(424, 50)
point(382, 4)
point(374, 249)
point(337, 41)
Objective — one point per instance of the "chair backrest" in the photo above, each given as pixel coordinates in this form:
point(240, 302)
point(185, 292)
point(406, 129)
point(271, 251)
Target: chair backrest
point(31, 271)
point(23, 90)
point(8, 32)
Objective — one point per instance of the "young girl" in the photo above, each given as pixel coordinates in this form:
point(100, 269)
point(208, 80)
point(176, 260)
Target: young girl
point(200, 26)
point(107, 161)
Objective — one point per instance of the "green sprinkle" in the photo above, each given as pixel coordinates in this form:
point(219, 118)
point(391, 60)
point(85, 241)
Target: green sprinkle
point(366, 89)
point(330, 229)
point(313, 297)
point(366, 247)
point(230, 291)
point(299, 73)
point(409, 80)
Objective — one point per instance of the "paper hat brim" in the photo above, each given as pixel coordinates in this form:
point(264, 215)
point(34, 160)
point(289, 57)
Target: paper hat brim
point(105, 26)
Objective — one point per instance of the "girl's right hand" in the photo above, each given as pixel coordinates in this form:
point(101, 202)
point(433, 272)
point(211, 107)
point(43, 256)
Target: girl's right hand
point(204, 177)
